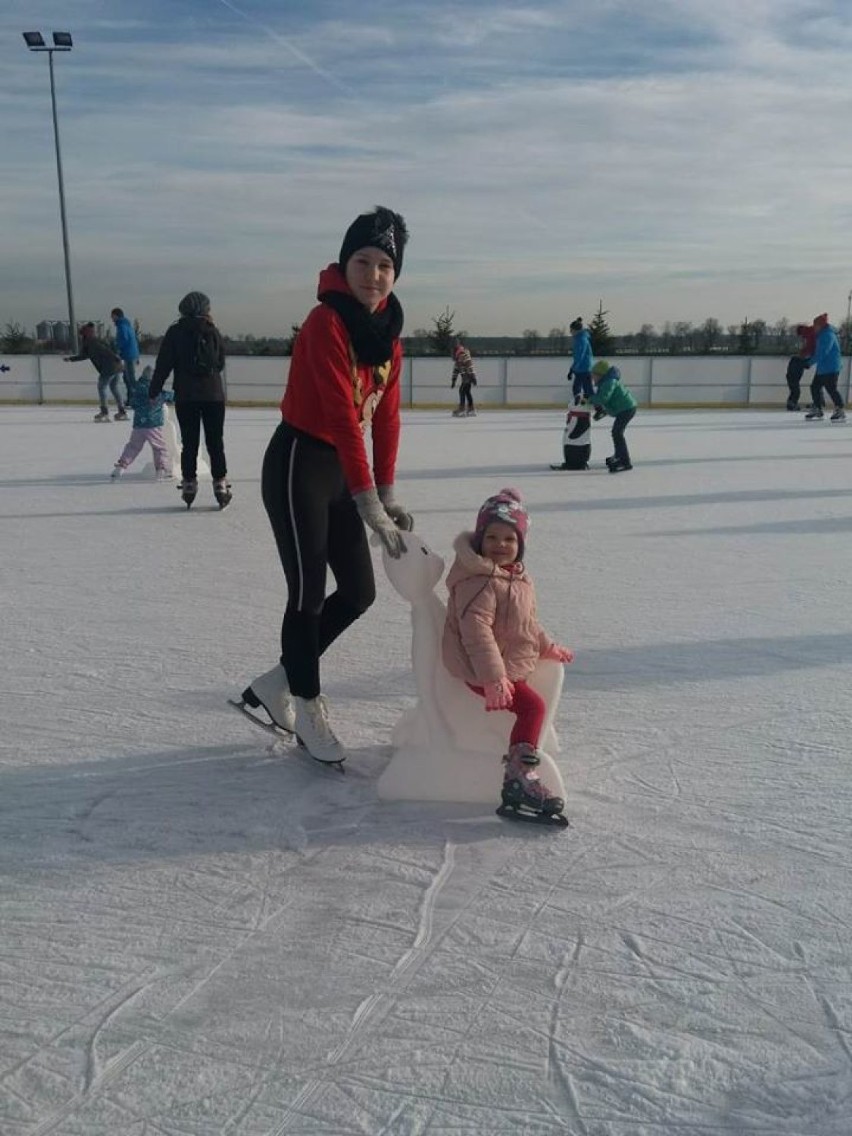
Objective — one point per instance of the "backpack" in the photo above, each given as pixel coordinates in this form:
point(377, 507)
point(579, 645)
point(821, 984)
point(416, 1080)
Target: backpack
point(205, 351)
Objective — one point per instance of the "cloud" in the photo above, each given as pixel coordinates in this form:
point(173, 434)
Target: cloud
point(683, 161)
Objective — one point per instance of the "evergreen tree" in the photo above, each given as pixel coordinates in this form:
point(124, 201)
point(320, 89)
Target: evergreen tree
point(745, 340)
point(442, 338)
point(295, 328)
point(600, 333)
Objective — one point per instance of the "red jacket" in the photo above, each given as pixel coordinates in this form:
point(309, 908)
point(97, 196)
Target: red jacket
point(807, 339)
point(333, 398)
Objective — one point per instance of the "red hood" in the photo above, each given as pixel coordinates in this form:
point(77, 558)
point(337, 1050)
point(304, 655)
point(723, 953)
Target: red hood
point(331, 279)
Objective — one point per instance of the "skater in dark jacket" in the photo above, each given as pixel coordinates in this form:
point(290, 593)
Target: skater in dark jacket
point(319, 486)
point(193, 350)
point(464, 372)
point(799, 363)
point(613, 397)
point(492, 638)
point(107, 364)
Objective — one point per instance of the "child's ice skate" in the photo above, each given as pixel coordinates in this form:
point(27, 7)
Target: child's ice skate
point(102, 415)
point(188, 489)
point(525, 796)
point(117, 471)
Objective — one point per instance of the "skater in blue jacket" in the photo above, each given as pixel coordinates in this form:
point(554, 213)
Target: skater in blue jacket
point(581, 368)
point(127, 347)
point(827, 362)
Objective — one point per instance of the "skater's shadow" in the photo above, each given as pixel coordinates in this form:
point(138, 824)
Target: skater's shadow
point(214, 800)
point(671, 664)
point(177, 508)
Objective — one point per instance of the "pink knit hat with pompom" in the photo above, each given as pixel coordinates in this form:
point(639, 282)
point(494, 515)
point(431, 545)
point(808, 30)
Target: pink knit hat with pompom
point(506, 506)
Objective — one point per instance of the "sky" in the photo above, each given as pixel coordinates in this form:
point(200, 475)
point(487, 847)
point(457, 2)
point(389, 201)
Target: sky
point(205, 934)
point(672, 161)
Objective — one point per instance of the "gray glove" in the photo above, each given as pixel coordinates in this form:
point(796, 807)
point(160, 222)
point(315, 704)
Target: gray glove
point(397, 513)
point(373, 513)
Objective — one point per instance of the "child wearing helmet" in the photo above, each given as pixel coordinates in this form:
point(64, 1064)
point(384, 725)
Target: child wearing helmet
point(611, 396)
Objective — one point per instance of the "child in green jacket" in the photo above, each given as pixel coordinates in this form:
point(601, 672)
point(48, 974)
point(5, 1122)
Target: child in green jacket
point(612, 397)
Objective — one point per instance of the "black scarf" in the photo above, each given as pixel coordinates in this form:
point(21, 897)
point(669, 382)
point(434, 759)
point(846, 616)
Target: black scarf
point(372, 333)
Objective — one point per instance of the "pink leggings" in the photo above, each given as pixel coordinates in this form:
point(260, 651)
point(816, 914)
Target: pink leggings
point(138, 438)
point(529, 710)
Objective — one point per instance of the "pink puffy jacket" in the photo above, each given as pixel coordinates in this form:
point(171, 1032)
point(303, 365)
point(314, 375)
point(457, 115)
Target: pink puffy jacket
point(491, 631)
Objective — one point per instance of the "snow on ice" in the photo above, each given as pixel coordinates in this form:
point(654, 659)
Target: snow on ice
point(205, 934)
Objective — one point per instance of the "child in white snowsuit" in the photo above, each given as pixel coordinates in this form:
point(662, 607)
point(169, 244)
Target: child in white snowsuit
point(492, 638)
point(148, 423)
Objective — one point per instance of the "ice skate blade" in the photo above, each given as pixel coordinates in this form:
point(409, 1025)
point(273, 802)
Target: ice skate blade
point(270, 727)
point(338, 765)
point(550, 820)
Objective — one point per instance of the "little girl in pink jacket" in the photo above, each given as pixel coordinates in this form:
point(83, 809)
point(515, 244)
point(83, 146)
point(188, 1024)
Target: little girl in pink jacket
point(492, 638)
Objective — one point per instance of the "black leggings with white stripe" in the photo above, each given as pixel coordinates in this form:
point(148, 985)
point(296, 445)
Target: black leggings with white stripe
point(317, 528)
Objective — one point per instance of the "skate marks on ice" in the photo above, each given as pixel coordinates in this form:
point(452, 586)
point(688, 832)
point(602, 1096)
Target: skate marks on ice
point(376, 1006)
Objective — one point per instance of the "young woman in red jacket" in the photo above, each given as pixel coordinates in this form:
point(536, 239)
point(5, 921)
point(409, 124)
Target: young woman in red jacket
point(319, 486)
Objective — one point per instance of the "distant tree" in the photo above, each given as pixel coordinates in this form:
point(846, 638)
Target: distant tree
point(758, 334)
point(295, 328)
point(733, 330)
point(709, 335)
point(531, 340)
point(558, 337)
point(682, 337)
point(442, 337)
point(784, 336)
point(745, 338)
point(845, 334)
point(645, 338)
point(15, 341)
point(602, 342)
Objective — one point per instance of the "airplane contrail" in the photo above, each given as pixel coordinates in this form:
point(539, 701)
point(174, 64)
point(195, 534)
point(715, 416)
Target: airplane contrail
point(300, 55)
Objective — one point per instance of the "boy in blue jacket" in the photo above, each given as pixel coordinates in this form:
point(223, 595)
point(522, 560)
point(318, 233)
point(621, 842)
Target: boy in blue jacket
point(148, 422)
point(827, 362)
point(581, 368)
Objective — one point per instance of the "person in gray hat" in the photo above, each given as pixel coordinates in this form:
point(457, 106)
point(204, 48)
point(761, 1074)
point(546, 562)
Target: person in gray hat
point(194, 351)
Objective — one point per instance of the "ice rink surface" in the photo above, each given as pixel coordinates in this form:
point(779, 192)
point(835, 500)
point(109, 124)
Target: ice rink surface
point(204, 934)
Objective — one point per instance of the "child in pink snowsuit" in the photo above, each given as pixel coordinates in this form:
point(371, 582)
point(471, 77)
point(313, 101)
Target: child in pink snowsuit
point(148, 423)
point(492, 638)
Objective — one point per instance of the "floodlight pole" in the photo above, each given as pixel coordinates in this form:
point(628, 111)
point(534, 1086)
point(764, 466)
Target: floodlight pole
point(848, 338)
point(72, 323)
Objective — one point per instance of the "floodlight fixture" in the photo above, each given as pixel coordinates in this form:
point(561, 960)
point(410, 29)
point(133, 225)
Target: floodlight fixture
point(63, 40)
point(34, 40)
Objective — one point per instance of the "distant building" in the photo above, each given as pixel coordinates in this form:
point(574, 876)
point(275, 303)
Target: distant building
point(53, 333)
